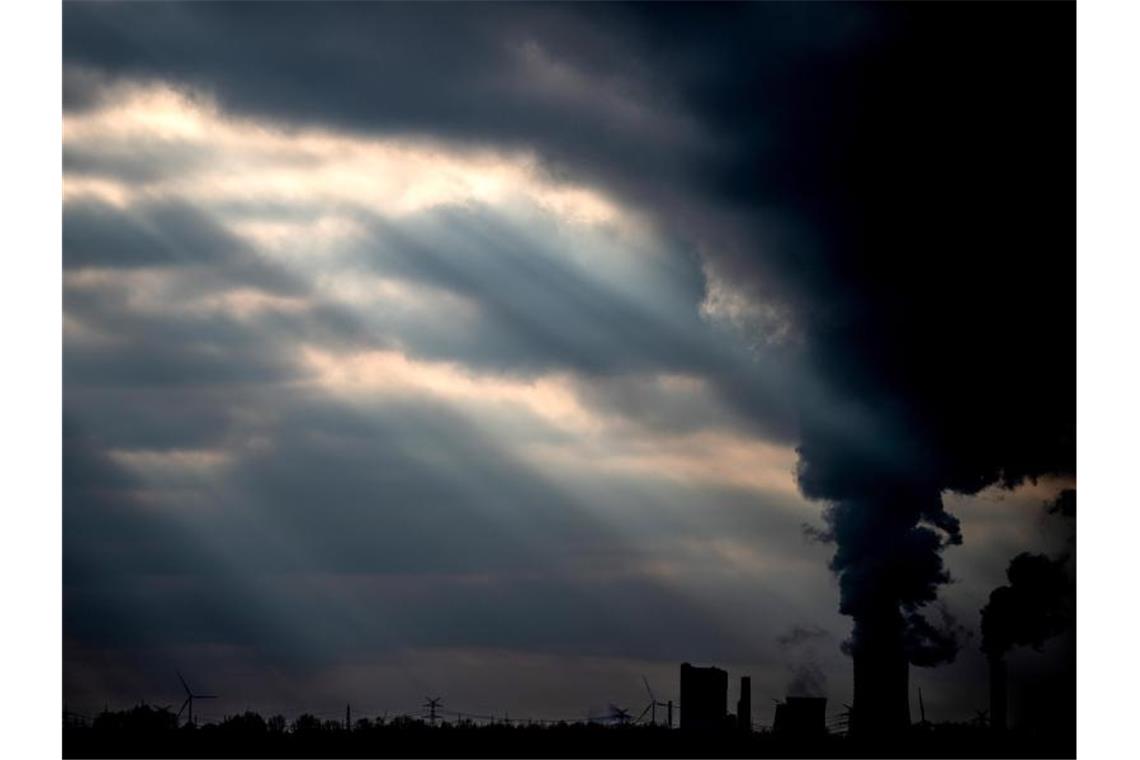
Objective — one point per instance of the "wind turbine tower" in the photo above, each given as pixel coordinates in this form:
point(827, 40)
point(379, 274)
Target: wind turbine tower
point(188, 705)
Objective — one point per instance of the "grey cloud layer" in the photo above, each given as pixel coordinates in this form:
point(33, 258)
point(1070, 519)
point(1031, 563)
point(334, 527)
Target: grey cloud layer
point(206, 464)
point(467, 545)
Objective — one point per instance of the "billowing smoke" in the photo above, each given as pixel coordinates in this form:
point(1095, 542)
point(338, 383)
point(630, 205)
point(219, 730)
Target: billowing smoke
point(801, 647)
point(1035, 605)
point(808, 680)
point(889, 563)
point(942, 271)
point(1038, 602)
point(928, 644)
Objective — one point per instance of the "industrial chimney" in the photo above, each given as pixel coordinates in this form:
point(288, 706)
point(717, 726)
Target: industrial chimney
point(744, 705)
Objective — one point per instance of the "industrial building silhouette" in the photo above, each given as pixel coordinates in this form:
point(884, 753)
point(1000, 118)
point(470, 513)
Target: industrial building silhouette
point(801, 716)
point(799, 729)
point(704, 698)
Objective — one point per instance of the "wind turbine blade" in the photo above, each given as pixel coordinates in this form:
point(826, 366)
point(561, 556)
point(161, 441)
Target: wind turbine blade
point(646, 682)
point(643, 712)
point(205, 696)
point(183, 708)
point(183, 680)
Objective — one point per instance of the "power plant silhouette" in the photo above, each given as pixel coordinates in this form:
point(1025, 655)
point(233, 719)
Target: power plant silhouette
point(799, 726)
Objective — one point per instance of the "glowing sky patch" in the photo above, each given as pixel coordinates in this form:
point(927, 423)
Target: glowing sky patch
point(218, 159)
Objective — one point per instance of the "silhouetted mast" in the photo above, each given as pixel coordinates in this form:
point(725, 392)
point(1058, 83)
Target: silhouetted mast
point(432, 704)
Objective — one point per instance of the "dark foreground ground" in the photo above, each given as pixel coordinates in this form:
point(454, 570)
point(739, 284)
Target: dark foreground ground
point(155, 735)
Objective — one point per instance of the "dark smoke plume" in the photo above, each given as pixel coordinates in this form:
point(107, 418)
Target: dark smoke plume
point(917, 309)
point(928, 645)
point(1035, 606)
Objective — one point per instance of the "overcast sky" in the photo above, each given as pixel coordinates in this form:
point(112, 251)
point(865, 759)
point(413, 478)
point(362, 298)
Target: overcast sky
point(466, 351)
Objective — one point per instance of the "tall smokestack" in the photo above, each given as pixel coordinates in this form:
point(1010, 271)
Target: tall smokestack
point(744, 704)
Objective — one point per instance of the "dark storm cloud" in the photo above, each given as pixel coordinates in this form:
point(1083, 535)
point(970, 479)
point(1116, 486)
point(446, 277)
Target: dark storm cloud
point(491, 72)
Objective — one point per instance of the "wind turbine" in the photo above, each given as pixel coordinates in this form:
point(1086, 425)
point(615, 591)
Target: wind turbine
point(189, 703)
point(650, 708)
point(619, 714)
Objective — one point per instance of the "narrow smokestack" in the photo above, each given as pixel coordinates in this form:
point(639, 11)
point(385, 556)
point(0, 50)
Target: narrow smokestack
point(999, 699)
point(744, 704)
